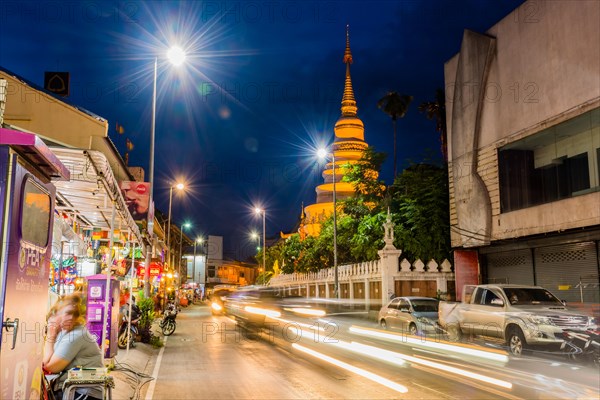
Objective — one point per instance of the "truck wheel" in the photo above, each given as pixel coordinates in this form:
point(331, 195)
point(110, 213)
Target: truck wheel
point(412, 329)
point(595, 357)
point(515, 341)
point(454, 333)
point(383, 324)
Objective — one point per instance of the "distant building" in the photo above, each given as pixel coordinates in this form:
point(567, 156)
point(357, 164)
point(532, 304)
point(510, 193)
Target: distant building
point(231, 272)
point(523, 122)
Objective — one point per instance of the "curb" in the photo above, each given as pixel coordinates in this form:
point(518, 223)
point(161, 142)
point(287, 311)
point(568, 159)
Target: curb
point(133, 370)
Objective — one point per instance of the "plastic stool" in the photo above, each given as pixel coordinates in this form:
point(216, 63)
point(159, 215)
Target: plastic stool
point(104, 384)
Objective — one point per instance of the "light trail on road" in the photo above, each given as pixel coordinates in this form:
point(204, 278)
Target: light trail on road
point(359, 371)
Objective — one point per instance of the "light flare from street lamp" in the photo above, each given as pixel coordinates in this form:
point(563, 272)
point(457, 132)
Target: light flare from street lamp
point(258, 210)
point(180, 186)
point(176, 55)
point(321, 153)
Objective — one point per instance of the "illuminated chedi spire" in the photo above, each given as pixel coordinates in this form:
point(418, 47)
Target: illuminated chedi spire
point(348, 148)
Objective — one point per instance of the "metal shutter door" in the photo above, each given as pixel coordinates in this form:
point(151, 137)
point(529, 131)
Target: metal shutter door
point(514, 267)
point(560, 268)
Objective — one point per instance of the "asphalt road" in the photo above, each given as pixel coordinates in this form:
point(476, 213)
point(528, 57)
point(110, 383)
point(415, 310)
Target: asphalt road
point(209, 357)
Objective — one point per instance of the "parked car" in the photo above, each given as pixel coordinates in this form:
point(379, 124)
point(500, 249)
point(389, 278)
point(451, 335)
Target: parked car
point(519, 315)
point(414, 315)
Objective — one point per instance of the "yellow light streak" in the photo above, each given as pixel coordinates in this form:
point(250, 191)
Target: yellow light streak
point(216, 306)
point(359, 371)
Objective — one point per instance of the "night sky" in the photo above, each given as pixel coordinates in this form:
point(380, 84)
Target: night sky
point(259, 92)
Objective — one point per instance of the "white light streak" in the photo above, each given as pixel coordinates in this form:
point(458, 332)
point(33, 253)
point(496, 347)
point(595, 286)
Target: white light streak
point(494, 356)
point(262, 311)
point(307, 311)
point(359, 371)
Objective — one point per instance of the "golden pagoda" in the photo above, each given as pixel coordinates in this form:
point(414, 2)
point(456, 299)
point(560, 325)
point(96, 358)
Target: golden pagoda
point(348, 147)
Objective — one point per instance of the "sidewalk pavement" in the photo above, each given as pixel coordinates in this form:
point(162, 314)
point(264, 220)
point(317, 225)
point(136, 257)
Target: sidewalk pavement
point(133, 371)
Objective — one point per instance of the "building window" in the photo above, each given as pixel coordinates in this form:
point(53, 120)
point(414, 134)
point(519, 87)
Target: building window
point(551, 165)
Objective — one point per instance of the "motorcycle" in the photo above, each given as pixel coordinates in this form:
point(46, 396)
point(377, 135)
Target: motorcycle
point(582, 345)
point(127, 336)
point(168, 324)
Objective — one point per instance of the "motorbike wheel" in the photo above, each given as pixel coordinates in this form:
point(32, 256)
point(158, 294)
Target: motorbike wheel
point(169, 327)
point(123, 338)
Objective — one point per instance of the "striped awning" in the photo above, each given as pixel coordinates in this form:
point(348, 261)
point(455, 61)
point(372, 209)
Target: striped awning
point(91, 192)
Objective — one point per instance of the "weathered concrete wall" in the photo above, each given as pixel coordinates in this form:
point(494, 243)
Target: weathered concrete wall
point(545, 70)
point(36, 111)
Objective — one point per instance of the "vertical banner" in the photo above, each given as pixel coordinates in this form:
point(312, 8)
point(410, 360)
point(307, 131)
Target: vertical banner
point(137, 199)
point(466, 270)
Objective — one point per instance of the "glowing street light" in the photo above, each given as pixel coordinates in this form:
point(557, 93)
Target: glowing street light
point(259, 211)
point(322, 153)
point(256, 236)
point(180, 187)
point(176, 56)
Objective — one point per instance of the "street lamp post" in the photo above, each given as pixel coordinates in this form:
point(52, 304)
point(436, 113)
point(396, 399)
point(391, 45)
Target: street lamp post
point(322, 153)
point(184, 225)
point(259, 211)
point(176, 56)
point(179, 186)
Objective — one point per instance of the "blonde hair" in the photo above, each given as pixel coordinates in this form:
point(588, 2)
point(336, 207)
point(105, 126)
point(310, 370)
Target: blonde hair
point(74, 300)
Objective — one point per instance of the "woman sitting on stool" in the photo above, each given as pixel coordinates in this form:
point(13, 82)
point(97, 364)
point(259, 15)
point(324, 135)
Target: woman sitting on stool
point(69, 344)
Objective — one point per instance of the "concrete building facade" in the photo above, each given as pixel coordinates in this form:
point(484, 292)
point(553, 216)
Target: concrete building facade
point(523, 117)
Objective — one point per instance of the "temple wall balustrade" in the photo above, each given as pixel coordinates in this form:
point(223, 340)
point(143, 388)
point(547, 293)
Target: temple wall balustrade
point(376, 281)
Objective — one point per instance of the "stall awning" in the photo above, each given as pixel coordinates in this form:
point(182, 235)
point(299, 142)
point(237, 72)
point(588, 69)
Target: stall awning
point(91, 191)
point(36, 150)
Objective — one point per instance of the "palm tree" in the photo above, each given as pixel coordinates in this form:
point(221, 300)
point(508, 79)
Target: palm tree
point(395, 105)
point(437, 110)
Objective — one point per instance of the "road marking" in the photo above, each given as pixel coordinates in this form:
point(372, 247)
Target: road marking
point(150, 391)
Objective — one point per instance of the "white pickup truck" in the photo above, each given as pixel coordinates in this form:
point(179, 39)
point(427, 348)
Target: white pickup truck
point(519, 315)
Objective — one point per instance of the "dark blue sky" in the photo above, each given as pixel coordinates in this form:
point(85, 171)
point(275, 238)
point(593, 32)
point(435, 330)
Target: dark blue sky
point(261, 87)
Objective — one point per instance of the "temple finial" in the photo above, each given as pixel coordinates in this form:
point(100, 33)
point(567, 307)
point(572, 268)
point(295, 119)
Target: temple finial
point(347, 53)
point(348, 102)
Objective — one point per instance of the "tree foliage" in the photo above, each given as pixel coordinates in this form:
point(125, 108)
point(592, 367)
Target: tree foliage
point(418, 203)
point(436, 110)
point(364, 176)
point(423, 223)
